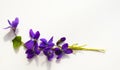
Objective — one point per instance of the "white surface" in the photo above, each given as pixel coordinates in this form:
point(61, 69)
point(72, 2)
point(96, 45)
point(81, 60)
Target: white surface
point(92, 22)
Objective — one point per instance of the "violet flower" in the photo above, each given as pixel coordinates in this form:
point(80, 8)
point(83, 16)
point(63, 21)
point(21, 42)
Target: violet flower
point(49, 53)
point(47, 48)
point(32, 44)
point(63, 50)
point(61, 40)
point(13, 24)
point(45, 44)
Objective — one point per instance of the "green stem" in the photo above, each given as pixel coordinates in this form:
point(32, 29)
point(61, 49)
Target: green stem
point(73, 47)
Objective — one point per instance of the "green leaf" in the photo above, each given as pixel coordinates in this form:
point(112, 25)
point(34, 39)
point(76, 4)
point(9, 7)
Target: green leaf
point(17, 42)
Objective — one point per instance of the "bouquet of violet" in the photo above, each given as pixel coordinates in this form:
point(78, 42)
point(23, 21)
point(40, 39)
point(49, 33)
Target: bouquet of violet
point(34, 47)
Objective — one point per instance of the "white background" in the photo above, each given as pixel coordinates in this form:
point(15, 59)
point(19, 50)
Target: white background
point(92, 22)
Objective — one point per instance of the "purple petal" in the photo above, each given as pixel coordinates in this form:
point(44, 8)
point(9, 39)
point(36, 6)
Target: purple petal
point(7, 27)
point(42, 45)
point(30, 56)
point(31, 33)
point(63, 39)
point(36, 49)
point(50, 57)
point(46, 50)
point(37, 34)
point(15, 23)
point(16, 19)
point(51, 40)
point(9, 22)
point(43, 40)
point(30, 53)
point(50, 45)
point(50, 54)
point(58, 51)
point(29, 44)
point(68, 51)
point(59, 56)
point(65, 46)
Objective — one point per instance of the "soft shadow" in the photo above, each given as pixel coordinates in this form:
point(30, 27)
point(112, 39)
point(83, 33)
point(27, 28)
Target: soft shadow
point(36, 60)
point(9, 36)
point(30, 61)
point(47, 63)
point(16, 50)
point(63, 57)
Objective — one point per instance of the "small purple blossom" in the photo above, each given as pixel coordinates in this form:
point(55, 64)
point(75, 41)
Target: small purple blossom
point(34, 38)
point(33, 35)
point(32, 44)
point(49, 53)
point(64, 50)
point(13, 24)
point(45, 44)
point(47, 47)
point(32, 52)
point(61, 40)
